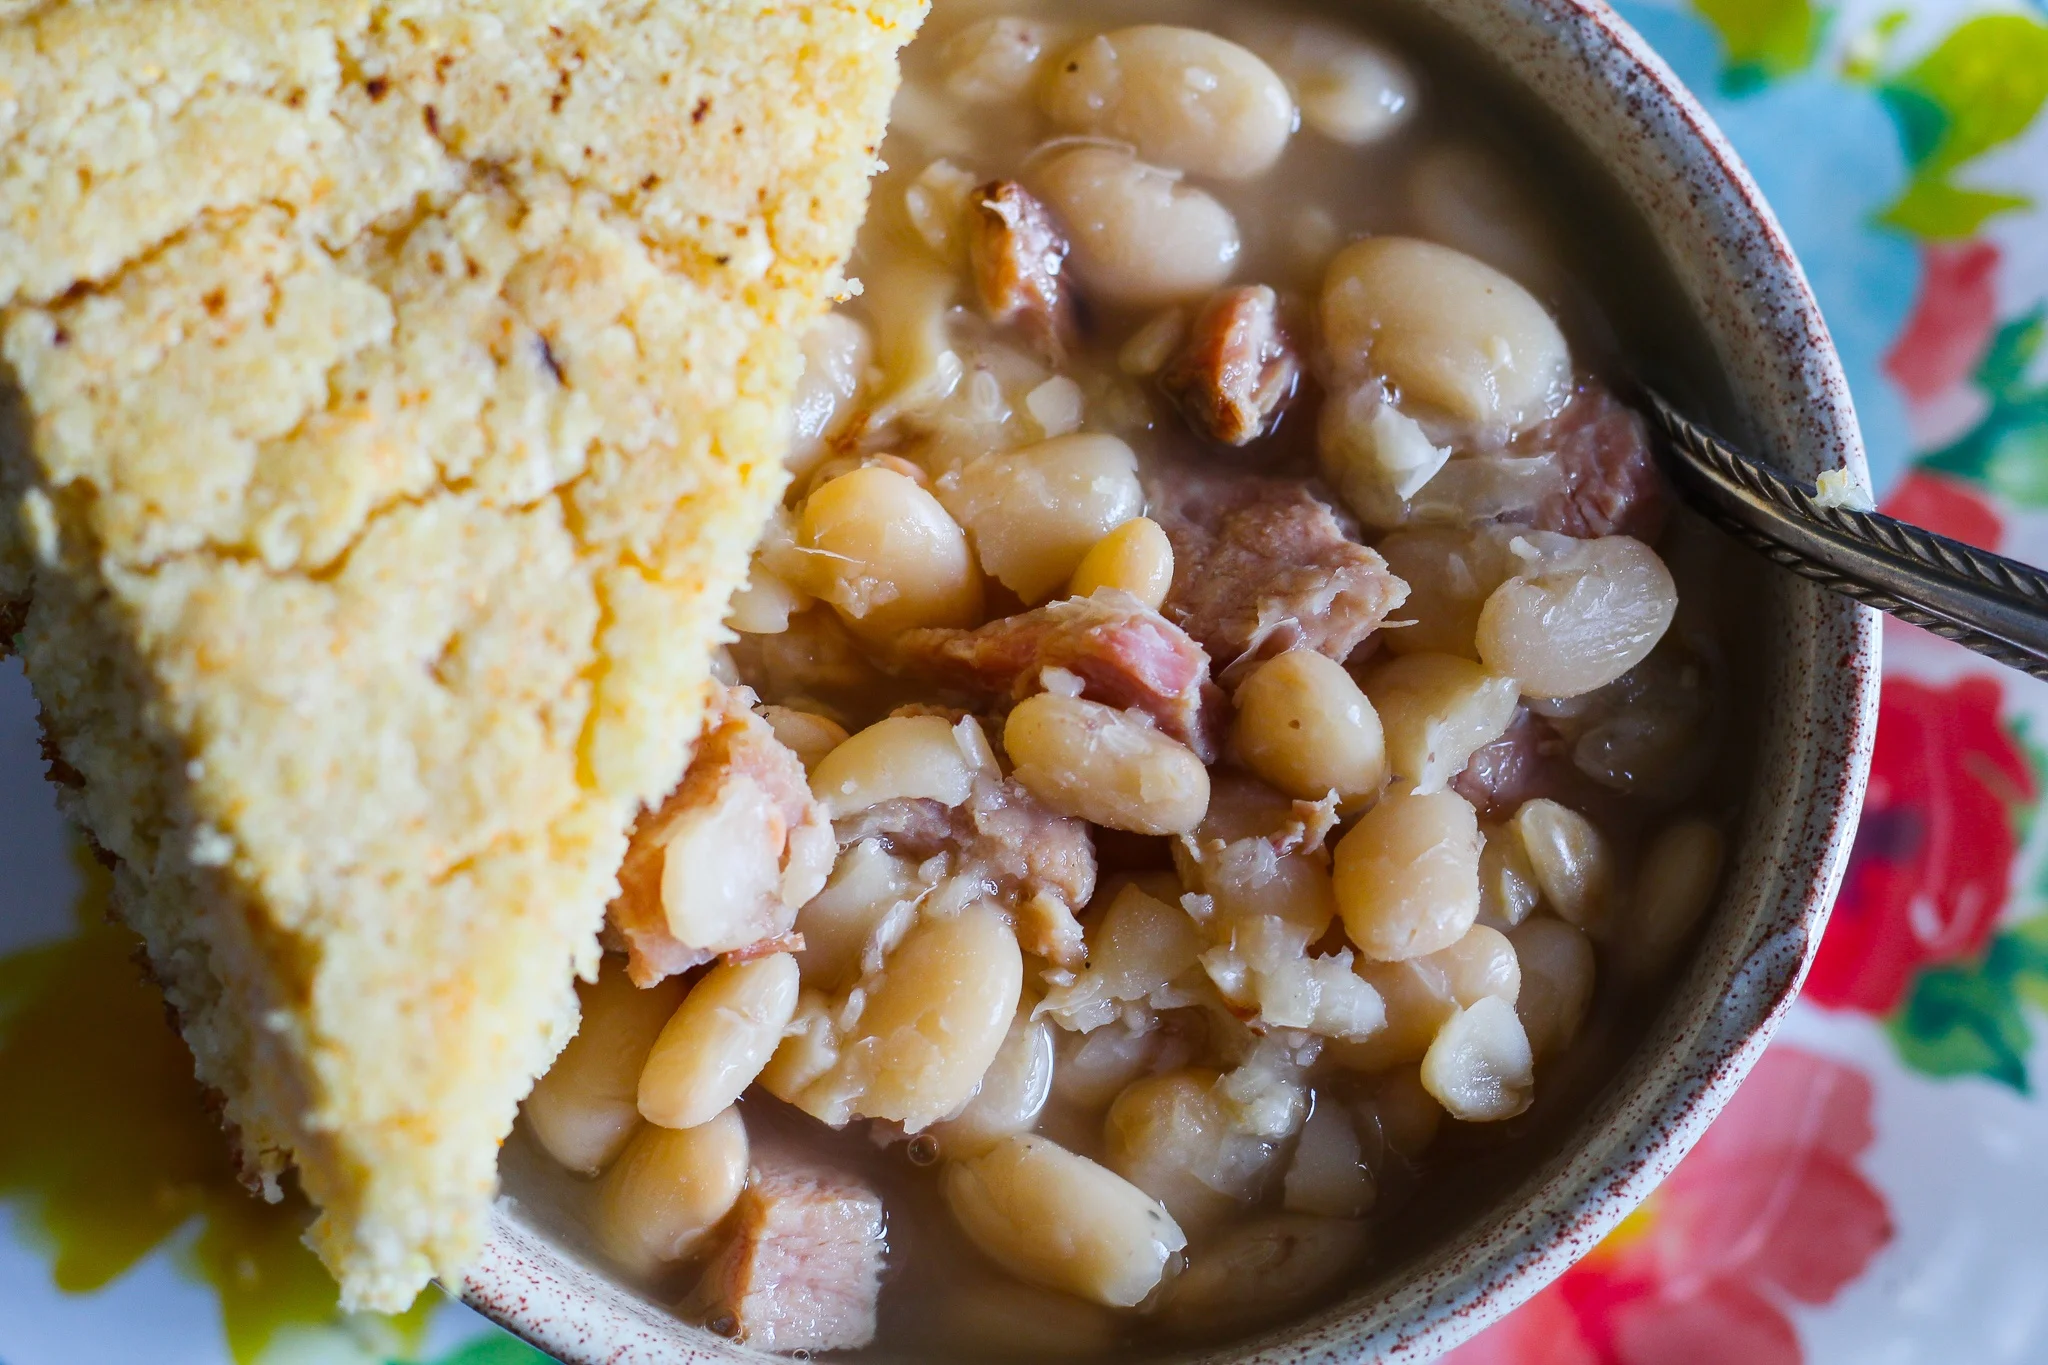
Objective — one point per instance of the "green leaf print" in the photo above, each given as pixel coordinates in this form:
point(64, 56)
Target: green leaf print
point(1960, 1022)
point(1764, 40)
point(1968, 1019)
point(2008, 449)
point(499, 1348)
point(1978, 89)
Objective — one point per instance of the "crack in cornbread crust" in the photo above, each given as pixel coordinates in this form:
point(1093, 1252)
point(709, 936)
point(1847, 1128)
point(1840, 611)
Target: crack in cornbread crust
point(401, 390)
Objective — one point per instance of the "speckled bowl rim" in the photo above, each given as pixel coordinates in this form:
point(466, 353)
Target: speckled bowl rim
point(1733, 262)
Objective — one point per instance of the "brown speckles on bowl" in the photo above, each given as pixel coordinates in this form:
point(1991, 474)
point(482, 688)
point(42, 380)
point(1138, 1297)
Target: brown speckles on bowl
point(1732, 262)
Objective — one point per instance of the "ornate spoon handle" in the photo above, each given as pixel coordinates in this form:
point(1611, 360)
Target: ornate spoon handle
point(1994, 605)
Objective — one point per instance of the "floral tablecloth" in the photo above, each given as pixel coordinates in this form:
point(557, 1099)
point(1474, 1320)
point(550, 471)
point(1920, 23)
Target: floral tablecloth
point(1877, 1193)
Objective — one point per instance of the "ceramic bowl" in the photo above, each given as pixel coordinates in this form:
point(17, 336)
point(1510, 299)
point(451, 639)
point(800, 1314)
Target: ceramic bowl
point(1736, 272)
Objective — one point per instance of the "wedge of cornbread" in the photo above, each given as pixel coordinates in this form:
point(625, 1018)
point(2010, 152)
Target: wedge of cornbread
point(393, 390)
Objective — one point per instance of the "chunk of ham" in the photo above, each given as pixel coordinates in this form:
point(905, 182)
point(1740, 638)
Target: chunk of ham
point(1124, 654)
point(721, 867)
point(1001, 836)
point(801, 1266)
point(1610, 485)
point(1238, 370)
point(1263, 565)
point(1530, 760)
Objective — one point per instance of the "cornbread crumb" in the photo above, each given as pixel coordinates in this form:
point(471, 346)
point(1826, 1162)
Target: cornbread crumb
point(393, 390)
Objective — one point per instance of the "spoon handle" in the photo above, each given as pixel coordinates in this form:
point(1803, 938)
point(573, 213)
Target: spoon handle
point(1994, 605)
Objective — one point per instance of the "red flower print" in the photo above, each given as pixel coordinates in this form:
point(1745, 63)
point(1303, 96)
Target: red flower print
point(1945, 507)
point(1768, 1210)
point(1952, 320)
point(1933, 856)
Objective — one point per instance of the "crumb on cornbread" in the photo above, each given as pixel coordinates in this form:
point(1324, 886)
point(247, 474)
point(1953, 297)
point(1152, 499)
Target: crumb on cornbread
point(396, 390)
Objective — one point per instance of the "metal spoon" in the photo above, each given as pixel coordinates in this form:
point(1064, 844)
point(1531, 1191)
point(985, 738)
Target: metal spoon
point(1994, 605)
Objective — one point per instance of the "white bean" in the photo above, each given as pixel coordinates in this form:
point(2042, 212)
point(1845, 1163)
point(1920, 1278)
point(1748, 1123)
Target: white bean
point(1260, 1271)
point(868, 882)
point(1578, 619)
point(887, 556)
point(1140, 237)
point(583, 1110)
point(1304, 726)
point(806, 734)
point(1060, 1220)
point(1328, 1174)
point(721, 1036)
point(1674, 887)
point(1351, 91)
point(931, 1026)
point(668, 1189)
point(993, 60)
point(1136, 558)
point(1034, 513)
point(1421, 993)
point(837, 352)
point(1570, 859)
point(1174, 1138)
point(1446, 329)
point(1480, 1068)
point(1182, 97)
point(1103, 765)
point(1012, 1094)
point(1450, 574)
point(900, 757)
point(1507, 884)
point(1407, 875)
point(1557, 982)
point(1437, 710)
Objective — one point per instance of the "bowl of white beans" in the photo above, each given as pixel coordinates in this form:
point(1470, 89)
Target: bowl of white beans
point(1240, 821)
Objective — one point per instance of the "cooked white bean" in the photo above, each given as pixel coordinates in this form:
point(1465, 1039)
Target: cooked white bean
point(1557, 982)
point(1437, 710)
point(1351, 91)
point(1407, 875)
point(910, 299)
point(1327, 1174)
point(1182, 97)
point(1376, 456)
point(1304, 726)
point(867, 884)
point(1103, 765)
point(932, 1024)
point(810, 1048)
point(1450, 574)
point(583, 1110)
point(992, 60)
point(806, 734)
point(1507, 884)
point(837, 353)
point(764, 604)
point(1060, 1220)
point(720, 1037)
point(1421, 993)
point(1138, 948)
point(1035, 512)
point(901, 756)
point(1446, 329)
point(1397, 1117)
point(1012, 1094)
point(1480, 1068)
point(1174, 1138)
point(1259, 1272)
point(1674, 886)
point(1570, 859)
point(1136, 558)
point(669, 1188)
point(1580, 619)
point(887, 556)
point(1140, 236)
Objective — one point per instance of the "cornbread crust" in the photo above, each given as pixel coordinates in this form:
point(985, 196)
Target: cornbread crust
point(399, 388)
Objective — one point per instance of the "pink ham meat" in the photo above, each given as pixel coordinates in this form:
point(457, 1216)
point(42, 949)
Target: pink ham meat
point(1124, 653)
point(1001, 835)
point(801, 1267)
point(1610, 486)
point(744, 810)
point(1533, 760)
point(1262, 566)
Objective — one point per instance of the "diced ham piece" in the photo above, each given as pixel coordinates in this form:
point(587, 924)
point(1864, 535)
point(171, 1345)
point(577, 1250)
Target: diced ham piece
point(1017, 251)
point(1530, 760)
point(1124, 653)
point(1238, 370)
point(1262, 566)
point(1610, 482)
point(801, 1267)
point(1001, 835)
point(726, 860)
